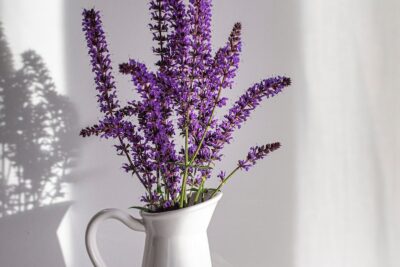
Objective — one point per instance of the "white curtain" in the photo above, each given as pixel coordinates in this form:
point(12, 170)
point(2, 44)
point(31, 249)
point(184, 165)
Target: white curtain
point(348, 186)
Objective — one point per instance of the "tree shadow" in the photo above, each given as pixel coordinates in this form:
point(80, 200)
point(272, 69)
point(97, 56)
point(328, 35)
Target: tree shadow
point(37, 151)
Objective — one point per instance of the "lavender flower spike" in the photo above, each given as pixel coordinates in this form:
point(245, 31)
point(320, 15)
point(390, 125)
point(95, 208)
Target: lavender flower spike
point(256, 153)
point(221, 74)
point(159, 29)
point(100, 59)
point(242, 108)
point(112, 124)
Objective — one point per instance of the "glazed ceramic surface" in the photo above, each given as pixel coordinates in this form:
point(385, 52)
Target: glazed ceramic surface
point(173, 239)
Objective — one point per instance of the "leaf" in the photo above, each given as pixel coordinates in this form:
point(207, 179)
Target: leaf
point(201, 167)
point(140, 208)
point(183, 165)
point(211, 189)
point(159, 190)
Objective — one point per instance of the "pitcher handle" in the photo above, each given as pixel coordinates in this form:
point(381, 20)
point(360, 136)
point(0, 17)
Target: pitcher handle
point(91, 231)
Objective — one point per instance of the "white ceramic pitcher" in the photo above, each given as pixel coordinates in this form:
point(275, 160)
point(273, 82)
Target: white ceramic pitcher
point(175, 238)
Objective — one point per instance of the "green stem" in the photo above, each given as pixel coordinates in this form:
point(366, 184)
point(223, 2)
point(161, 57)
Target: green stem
point(159, 191)
point(185, 175)
point(196, 199)
point(166, 191)
point(158, 178)
point(193, 184)
point(188, 162)
point(201, 187)
point(224, 181)
point(202, 140)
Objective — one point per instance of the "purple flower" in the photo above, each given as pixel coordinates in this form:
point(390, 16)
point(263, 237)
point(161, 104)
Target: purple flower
point(168, 204)
point(220, 76)
point(100, 59)
point(153, 114)
point(222, 175)
point(256, 153)
point(159, 28)
point(226, 60)
point(242, 108)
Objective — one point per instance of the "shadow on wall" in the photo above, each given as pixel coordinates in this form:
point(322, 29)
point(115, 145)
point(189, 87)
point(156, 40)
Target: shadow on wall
point(37, 151)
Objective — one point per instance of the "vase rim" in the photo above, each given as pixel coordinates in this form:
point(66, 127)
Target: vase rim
point(201, 205)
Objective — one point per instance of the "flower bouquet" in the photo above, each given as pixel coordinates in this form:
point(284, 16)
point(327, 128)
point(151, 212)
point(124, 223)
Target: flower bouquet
point(170, 136)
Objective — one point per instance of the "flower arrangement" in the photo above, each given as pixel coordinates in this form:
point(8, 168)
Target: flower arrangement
point(178, 100)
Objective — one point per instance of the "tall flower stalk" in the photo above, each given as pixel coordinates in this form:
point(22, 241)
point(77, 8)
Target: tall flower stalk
point(188, 85)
